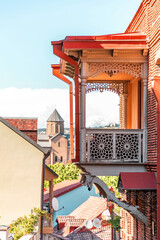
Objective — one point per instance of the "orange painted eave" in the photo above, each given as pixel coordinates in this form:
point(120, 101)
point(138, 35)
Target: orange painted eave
point(104, 45)
point(55, 66)
point(119, 41)
point(117, 36)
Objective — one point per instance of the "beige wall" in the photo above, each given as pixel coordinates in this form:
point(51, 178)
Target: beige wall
point(20, 177)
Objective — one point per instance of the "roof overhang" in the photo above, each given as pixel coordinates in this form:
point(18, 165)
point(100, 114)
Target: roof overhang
point(137, 181)
point(111, 41)
point(49, 174)
point(74, 46)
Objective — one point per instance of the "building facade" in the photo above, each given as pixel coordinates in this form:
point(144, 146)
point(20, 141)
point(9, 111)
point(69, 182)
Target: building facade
point(55, 140)
point(23, 172)
point(127, 64)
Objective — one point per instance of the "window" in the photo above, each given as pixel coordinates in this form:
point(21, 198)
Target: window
point(59, 144)
point(56, 128)
point(61, 159)
point(55, 158)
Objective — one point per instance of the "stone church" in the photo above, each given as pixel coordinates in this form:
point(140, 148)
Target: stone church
point(55, 140)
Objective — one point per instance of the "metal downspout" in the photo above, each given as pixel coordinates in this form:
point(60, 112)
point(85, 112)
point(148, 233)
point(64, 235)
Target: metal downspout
point(156, 90)
point(56, 72)
point(57, 50)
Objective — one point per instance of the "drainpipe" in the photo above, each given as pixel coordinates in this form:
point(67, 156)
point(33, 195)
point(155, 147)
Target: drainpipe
point(56, 72)
point(156, 90)
point(57, 50)
point(42, 193)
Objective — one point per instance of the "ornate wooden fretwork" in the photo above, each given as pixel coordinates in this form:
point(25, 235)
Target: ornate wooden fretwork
point(133, 69)
point(113, 87)
point(116, 145)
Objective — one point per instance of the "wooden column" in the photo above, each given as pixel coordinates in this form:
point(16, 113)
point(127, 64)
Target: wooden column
point(125, 96)
point(83, 113)
point(50, 201)
point(145, 90)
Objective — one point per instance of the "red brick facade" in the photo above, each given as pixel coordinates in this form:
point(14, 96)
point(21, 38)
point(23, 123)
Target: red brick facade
point(26, 125)
point(146, 20)
point(131, 228)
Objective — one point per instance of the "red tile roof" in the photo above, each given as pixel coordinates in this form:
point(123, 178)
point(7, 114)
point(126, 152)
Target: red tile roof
point(90, 209)
point(104, 233)
point(23, 124)
point(75, 222)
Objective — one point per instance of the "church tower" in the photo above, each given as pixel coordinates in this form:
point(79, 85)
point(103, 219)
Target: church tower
point(55, 124)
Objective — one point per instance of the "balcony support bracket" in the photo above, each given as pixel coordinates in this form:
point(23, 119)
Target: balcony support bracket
point(88, 180)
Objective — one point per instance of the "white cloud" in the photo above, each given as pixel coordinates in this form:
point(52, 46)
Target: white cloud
point(102, 108)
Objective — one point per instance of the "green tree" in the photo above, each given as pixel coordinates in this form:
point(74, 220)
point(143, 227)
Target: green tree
point(25, 225)
point(111, 181)
point(64, 172)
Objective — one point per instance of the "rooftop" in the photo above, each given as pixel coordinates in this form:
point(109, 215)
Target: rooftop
point(55, 117)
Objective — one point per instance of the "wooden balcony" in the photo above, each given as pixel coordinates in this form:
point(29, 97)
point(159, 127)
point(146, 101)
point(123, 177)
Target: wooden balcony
point(111, 151)
point(114, 145)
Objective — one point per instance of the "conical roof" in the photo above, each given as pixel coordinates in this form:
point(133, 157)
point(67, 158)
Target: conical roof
point(55, 117)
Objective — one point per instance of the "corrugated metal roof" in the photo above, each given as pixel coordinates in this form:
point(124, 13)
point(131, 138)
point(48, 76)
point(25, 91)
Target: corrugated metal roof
point(55, 117)
point(138, 180)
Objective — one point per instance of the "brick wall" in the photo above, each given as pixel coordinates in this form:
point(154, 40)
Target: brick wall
point(147, 20)
point(131, 228)
point(26, 125)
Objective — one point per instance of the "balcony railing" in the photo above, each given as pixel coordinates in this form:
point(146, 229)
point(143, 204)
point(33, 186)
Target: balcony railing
point(114, 145)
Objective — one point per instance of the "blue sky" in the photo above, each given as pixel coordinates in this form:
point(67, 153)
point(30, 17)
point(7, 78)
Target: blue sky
point(28, 26)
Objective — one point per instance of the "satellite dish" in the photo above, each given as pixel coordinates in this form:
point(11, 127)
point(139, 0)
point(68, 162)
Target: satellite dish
point(88, 224)
point(96, 223)
point(55, 203)
point(106, 215)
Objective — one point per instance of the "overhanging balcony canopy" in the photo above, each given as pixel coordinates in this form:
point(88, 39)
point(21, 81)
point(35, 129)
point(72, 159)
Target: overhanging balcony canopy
point(74, 45)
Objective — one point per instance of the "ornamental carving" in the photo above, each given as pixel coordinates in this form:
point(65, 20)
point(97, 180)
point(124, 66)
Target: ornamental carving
point(133, 69)
point(101, 146)
point(127, 147)
point(113, 87)
point(114, 146)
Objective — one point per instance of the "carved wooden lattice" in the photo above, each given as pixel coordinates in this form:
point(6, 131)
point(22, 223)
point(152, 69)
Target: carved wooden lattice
point(127, 146)
point(101, 146)
point(114, 145)
point(133, 69)
point(113, 87)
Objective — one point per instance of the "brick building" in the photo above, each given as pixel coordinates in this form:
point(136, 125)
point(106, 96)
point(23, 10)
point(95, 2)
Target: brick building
point(26, 125)
point(127, 64)
point(55, 140)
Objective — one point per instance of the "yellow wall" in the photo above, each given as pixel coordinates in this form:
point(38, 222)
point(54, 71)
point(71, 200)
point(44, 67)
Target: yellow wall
point(20, 176)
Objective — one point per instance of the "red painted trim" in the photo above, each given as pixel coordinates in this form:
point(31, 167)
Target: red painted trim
point(104, 44)
point(122, 36)
point(57, 50)
point(56, 72)
point(156, 90)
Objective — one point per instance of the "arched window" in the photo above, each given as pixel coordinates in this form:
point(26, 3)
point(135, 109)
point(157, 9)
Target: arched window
point(55, 158)
point(61, 159)
point(56, 127)
point(59, 144)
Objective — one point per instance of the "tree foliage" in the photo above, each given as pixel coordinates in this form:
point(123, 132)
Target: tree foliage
point(64, 172)
point(25, 225)
point(111, 181)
